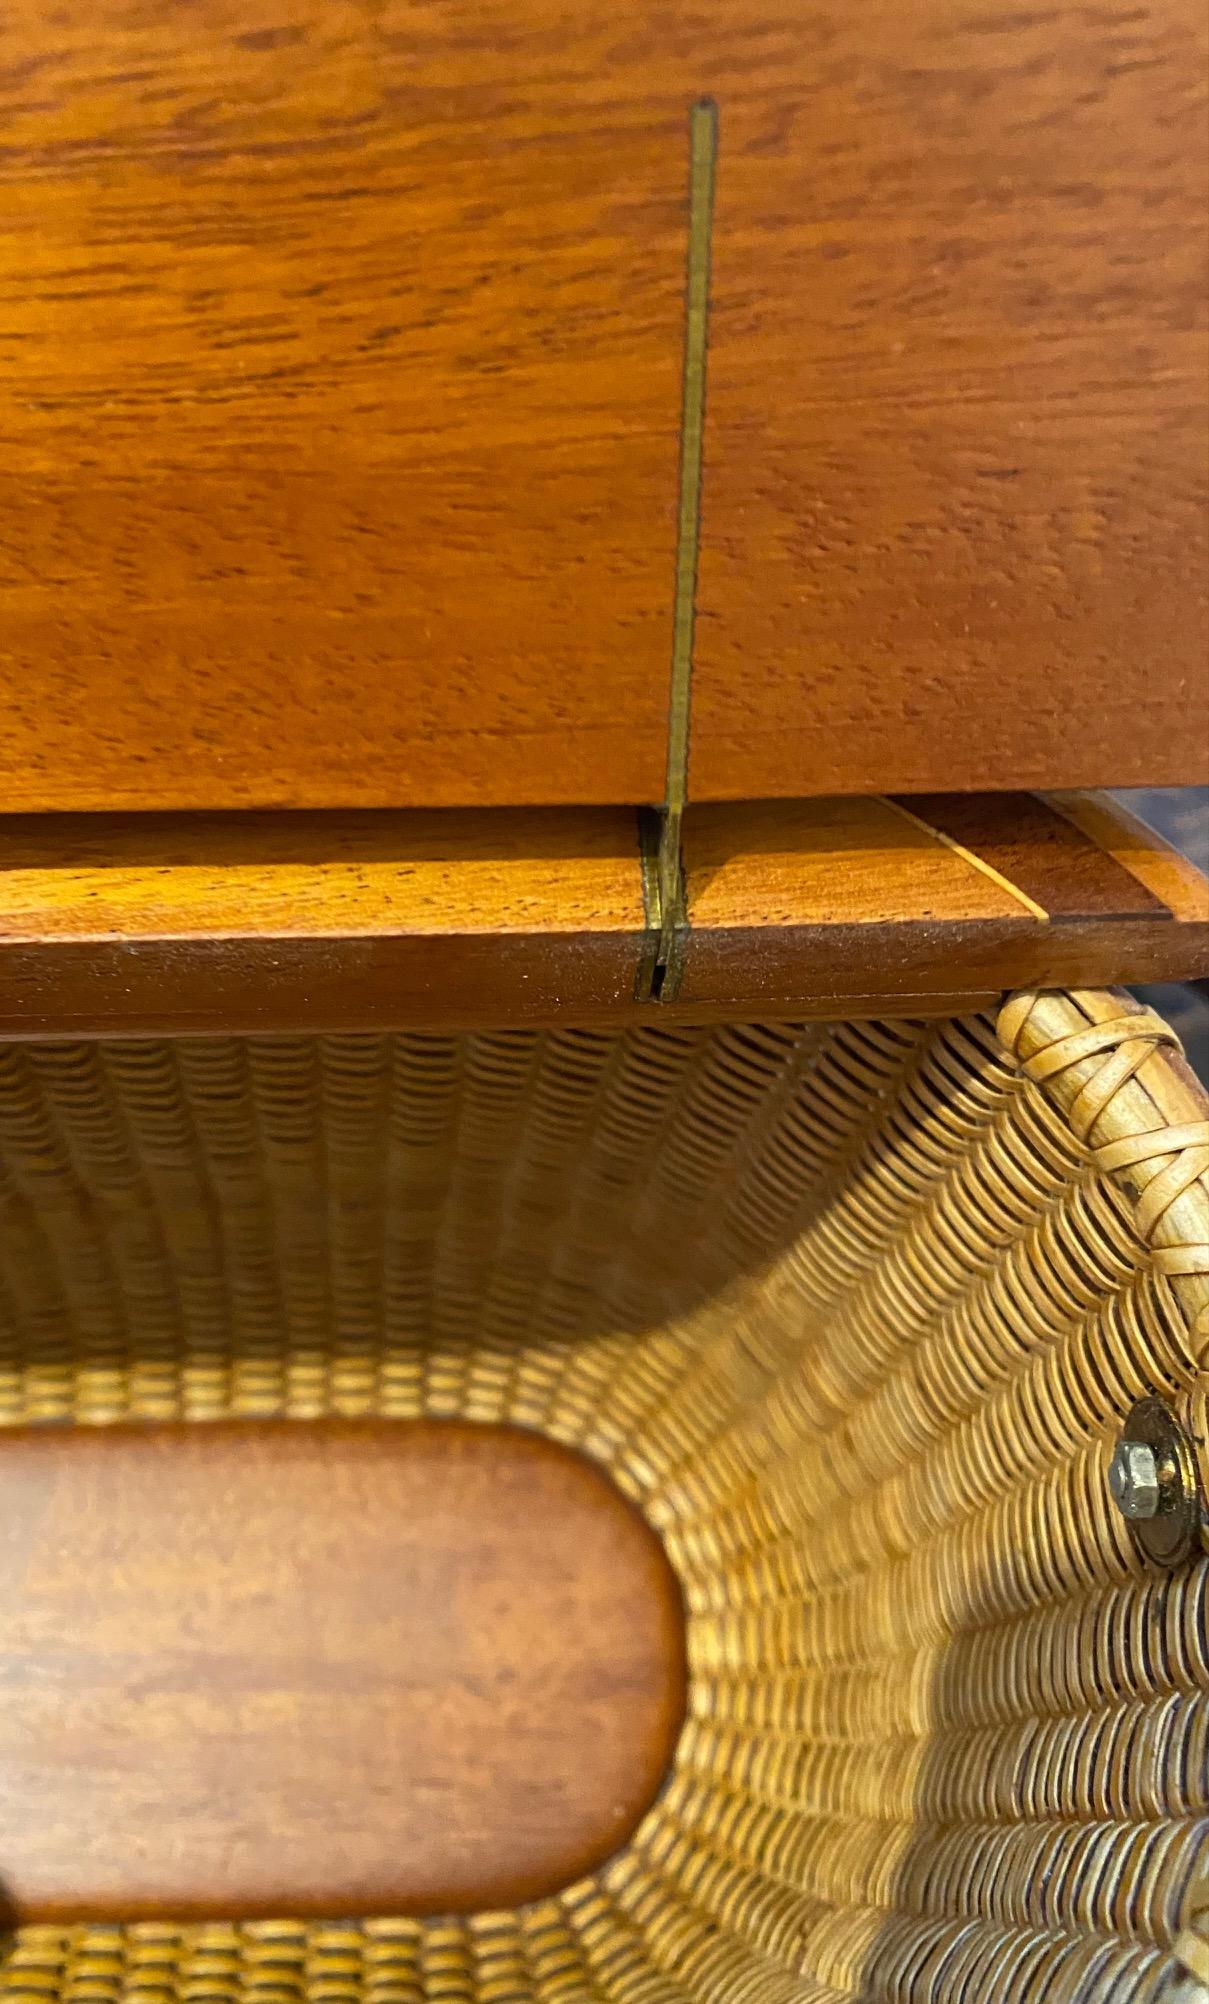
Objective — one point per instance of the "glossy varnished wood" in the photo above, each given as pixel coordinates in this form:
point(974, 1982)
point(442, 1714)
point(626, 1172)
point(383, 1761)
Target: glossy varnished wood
point(333, 1668)
point(288, 918)
point(339, 350)
point(339, 395)
point(149, 924)
point(955, 511)
point(935, 902)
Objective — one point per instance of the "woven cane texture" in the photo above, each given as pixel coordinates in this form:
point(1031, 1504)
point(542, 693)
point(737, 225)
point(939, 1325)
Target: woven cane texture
point(853, 1313)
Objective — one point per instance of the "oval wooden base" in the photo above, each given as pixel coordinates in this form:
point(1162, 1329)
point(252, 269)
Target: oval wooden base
point(326, 1668)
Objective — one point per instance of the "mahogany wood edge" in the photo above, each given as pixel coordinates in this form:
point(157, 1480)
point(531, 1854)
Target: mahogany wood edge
point(322, 1667)
point(1116, 829)
point(787, 972)
point(809, 908)
point(781, 760)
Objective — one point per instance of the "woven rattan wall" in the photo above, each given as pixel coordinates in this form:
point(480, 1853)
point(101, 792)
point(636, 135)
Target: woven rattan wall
point(854, 1313)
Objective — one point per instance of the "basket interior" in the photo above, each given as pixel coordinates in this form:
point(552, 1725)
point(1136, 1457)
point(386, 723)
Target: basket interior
point(852, 1313)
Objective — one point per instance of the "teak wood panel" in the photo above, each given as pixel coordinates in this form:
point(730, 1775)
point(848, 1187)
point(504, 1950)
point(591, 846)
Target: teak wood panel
point(334, 1668)
point(340, 359)
point(830, 907)
point(955, 511)
point(340, 353)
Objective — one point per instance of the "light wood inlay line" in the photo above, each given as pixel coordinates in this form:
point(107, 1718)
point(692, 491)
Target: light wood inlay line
point(967, 855)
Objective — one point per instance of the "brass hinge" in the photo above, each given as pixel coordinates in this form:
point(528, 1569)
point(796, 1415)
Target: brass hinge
point(662, 964)
point(661, 830)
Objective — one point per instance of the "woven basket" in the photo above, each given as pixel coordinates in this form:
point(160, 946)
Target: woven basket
point(854, 1313)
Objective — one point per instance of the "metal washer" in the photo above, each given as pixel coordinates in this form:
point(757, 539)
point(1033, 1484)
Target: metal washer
point(1172, 1535)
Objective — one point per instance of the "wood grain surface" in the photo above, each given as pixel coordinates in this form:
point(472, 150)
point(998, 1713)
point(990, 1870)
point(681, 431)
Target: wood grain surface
point(340, 351)
point(153, 924)
point(855, 900)
point(955, 514)
point(1148, 856)
point(340, 356)
point(274, 918)
point(1041, 852)
point(333, 1668)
